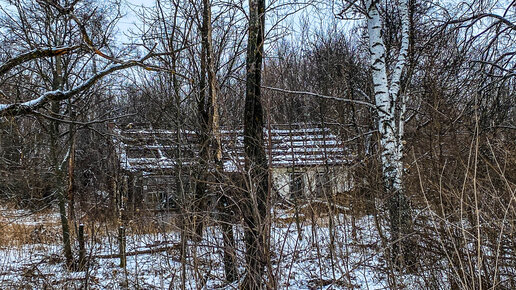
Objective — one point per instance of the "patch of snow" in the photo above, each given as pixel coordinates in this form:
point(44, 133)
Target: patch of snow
point(300, 260)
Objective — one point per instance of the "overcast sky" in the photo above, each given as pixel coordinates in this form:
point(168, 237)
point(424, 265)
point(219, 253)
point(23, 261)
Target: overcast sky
point(129, 21)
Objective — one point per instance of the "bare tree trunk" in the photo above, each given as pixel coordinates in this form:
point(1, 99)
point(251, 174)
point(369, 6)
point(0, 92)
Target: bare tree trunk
point(255, 206)
point(58, 170)
point(58, 183)
point(82, 248)
point(180, 186)
point(64, 225)
point(71, 169)
point(211, 147)
point(203, 111)
point(391, 129)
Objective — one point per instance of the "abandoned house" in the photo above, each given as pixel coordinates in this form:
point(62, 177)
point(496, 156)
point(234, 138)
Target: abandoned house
point(304, 161)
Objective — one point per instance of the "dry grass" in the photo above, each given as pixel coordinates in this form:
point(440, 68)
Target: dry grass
point(321, 209)
point(18, 234)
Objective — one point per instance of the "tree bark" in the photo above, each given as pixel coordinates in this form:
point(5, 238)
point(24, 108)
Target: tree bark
point(255, 205)
point(71, 170)
point(211, 147)
point(391, 125)
point(58, 170)
point(204, 118)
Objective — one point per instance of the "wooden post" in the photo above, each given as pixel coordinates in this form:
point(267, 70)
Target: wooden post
point(229, 244)
point(121, 246)
point(82, 249)
point(121, 218)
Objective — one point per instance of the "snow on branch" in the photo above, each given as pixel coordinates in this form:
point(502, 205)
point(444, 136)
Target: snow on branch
point(16, 109)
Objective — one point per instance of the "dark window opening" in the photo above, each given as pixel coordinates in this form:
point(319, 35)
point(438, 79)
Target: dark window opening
point(322, 183)
point(297, 184)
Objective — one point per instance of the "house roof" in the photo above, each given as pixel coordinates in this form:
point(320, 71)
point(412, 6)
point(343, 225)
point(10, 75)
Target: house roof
point(141, 148)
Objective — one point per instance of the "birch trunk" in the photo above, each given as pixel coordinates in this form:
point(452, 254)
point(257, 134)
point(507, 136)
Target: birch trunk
point(390, 127)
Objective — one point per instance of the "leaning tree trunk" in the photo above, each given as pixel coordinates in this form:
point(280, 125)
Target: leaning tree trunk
point(211, 147)
point(204, 152)
point(255, 206)
point(390, 126)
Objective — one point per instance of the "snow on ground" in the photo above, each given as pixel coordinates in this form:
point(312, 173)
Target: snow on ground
point(301, 260)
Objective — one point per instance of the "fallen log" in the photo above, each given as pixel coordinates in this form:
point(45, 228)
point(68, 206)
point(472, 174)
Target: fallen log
point(140, 252)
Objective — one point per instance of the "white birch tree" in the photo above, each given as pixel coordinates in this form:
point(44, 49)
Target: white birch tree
point(391, 106)
point(391, 119)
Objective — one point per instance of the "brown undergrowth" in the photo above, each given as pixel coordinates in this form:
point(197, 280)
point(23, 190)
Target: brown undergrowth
point(16, 231)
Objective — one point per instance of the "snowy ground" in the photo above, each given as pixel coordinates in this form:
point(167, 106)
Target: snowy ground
point(302, 260)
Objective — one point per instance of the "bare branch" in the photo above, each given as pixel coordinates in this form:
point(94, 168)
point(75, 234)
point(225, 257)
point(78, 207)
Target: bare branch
point(82, 124)
point(323, 97)
point(24, 108)
point(84, 33)
point(34, 54)
point(478, 17)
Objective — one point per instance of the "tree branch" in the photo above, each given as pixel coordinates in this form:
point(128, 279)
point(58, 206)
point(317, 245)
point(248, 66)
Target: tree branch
point(27, 107)
point(34, 54)
point(83, 124)
point(480, 16)
point(324, 97)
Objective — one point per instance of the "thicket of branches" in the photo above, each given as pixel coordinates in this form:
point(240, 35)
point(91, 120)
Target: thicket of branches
point(64, 77)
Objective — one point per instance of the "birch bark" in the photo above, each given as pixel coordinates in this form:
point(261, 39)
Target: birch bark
point(391, 124)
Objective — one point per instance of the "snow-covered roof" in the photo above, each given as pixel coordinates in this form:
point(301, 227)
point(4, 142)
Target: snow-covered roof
point(146, 149)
